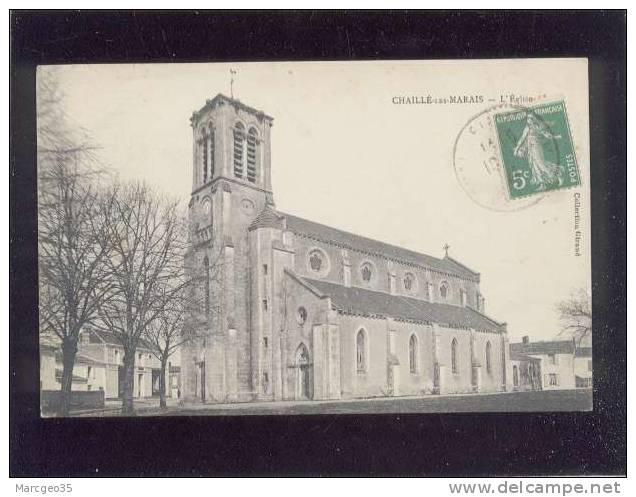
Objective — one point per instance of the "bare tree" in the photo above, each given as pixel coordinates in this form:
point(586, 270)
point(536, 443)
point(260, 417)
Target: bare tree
point(188, 308)
point(575, 315)
point(148, 242)
point(71, 237)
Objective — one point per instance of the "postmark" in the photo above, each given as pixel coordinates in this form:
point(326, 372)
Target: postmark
point(536, 149)
point(478, 166)
point(487, 168)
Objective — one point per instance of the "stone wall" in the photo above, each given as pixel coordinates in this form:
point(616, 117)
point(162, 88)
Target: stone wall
point(50, 400)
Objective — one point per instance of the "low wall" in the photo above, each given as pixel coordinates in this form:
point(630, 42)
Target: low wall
point(50, 400)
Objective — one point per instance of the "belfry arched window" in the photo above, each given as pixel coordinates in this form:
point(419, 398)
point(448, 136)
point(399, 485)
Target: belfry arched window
point(206, 282)
point(361, 352)
point(210, 153)
point(454, 357)
point(488, 360)
point(239, 150)
point(252, 142)
point(202, 160)
point(413, 354)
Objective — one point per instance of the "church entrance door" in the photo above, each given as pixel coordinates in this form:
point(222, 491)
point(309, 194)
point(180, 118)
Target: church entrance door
point(303, 374)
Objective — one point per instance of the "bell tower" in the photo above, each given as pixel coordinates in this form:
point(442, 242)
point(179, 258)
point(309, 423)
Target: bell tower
point(231, 140)
point(231, 175)
point(231, 185)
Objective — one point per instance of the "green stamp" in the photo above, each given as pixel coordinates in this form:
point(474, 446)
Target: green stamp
point(536, 149)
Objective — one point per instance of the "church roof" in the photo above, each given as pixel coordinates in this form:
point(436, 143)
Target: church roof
point(543, 348)
point(351, 241)
point(353, 300)
point(268, 218)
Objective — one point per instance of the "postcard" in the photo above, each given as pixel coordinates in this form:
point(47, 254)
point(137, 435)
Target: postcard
point(314, 237)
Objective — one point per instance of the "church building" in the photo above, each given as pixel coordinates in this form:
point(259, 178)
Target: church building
point(295, 310)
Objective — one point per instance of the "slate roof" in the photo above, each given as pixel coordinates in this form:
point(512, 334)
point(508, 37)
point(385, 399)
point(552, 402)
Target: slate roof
point(81, 357)
point(100, 336)
point(268, 218)
point(352, 241)
point(352, 300)
point(543, 348)
point(516, 356)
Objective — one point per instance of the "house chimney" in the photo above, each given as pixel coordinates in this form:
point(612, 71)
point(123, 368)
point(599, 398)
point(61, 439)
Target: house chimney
point(526, 340)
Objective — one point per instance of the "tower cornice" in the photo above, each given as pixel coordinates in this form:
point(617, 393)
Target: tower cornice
point(221, 99)
point(222, 181)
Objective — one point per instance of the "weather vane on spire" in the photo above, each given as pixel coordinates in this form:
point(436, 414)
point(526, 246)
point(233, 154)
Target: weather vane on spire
point(232, 73)
point(446, 247)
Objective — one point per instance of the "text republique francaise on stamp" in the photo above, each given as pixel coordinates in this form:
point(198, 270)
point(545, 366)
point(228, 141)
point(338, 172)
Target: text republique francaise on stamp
point(536, 149)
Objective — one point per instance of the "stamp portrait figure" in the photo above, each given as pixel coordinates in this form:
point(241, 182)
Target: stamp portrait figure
point(530, 146)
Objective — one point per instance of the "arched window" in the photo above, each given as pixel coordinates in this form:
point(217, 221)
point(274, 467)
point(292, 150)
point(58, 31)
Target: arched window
point(301, 315)
point(204, 155)
point(302, 355)
point(488, 353)
point(211, 151)
point(366, 272)
point(251, 155)
point(361, 353)
point(413, 354)
point(239, 150)
point(444, 290)
point(454, 367)
point(206, 290)
point(410, 283)
point(515, 376)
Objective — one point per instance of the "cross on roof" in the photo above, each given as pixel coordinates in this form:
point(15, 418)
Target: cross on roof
point(446, 247)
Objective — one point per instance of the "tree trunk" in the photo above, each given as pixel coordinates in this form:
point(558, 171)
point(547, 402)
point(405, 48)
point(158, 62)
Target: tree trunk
point(69, 349)
point(127, 407)
point(162, 384)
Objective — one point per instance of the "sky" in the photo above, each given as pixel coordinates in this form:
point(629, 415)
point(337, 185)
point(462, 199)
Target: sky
point(344, 154)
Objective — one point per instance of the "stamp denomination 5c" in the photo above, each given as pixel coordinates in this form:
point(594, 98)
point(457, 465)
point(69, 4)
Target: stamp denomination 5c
point(536, 149)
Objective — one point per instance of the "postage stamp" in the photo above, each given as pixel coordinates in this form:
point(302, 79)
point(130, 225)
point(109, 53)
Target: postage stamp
point(478, 165)
point(536, 149)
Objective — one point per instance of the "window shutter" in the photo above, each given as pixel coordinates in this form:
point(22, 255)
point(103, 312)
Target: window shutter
point(251, 156)
point(239, 153)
